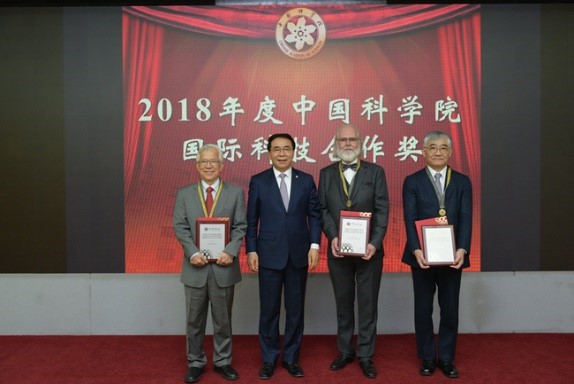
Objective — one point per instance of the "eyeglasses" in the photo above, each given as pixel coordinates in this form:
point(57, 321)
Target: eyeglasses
point(203, 163)
point(348, 140)
point(277, 150)
point(434, 148)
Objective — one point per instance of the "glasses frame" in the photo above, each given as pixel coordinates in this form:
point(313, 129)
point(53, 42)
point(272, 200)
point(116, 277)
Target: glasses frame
point(441, 149)
point(213, 163)
point(348, 140)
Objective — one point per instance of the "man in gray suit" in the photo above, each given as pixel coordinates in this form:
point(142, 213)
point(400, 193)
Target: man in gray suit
point(354, 185)
point(208, 281)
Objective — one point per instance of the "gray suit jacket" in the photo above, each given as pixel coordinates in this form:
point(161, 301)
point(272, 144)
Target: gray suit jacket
point(187, 209)
point(369, 194)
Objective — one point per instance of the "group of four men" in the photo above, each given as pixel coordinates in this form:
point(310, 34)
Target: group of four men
point(282, 225)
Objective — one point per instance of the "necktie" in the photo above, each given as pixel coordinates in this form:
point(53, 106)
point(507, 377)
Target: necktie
point(349, 166)
point(283, 190)
point(437, 177)
point(209, 199)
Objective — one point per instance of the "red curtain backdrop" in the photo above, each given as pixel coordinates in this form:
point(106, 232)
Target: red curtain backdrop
point(182, 64)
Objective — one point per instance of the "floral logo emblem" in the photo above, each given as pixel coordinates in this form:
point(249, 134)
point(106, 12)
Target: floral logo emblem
point(300, 33)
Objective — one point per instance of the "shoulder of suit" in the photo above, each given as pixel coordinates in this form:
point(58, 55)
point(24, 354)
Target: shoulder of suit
point(368, 164)
point(188, 187)
point(333, 165)
point(297, 172)
point(420, 172)
point(414, 176)
point(231, 186)
point(262, 173)
point(456, 174)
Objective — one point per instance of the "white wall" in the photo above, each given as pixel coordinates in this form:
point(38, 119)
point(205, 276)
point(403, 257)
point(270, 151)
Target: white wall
point(129, 304)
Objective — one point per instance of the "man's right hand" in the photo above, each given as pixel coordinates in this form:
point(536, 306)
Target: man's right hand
point(421, 259)
point(253, 261)
point(335, 247)
point(198, 260)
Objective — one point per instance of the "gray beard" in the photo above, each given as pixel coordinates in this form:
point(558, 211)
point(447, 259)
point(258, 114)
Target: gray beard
point(348, 156)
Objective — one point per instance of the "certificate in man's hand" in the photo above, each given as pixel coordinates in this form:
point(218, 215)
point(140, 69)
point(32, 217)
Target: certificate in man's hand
point(212, 234)
point(440, 220)
point(439, 247)
point(354, 229)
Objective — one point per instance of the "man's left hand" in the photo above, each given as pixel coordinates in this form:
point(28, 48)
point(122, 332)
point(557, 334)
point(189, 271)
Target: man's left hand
point(370, 252)
point(458, 259)
point(224, 259)
point(313, 257)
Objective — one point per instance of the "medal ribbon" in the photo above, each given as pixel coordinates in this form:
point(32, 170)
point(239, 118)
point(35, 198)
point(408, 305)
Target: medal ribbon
point(343, 181)
point(202, 198)
point(440, 196)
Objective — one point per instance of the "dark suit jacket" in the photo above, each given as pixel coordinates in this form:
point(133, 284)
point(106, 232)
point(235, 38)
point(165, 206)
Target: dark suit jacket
point(420, 202)
point(369, 194)
point(276, 234)
point(187, 209)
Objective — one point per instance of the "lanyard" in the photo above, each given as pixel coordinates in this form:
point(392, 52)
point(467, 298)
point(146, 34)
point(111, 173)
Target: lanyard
point(202, 198)
point(440, 195)
point(343, 182)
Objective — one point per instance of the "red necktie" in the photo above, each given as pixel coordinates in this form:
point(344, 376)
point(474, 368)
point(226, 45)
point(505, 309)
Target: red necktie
point(209, 200)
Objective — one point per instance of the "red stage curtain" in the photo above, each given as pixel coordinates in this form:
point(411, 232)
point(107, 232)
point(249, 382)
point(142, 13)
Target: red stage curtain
point(145, 42)
point(344, 22)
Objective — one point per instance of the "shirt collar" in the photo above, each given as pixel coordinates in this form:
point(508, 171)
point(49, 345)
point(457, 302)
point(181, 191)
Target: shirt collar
point(287, 172)
point(215, 185)
point(442, 172)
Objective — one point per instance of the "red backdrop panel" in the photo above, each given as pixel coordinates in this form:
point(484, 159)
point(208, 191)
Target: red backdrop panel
point(185, 88)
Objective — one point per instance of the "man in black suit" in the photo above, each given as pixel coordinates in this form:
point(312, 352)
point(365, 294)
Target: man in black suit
point(424, 197)
point(354, 185)
point(282, 242)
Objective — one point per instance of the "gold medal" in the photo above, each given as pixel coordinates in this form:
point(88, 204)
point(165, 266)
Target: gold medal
point(348, 203)
point(442, 212)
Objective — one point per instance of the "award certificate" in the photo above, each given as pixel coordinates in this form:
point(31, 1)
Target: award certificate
point(354, 230)
point(212, 235)
point(439, 248)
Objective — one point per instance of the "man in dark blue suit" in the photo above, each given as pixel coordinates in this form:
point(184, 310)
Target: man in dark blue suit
point(424, 197)
point(282, 243)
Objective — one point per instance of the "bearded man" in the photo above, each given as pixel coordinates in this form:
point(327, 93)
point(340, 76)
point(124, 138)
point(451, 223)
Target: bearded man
point(353, 184)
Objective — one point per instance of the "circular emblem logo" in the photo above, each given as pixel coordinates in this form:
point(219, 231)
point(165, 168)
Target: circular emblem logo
point(300, 33)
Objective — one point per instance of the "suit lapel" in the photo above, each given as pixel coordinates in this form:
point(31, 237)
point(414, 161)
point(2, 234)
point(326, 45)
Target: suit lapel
point(339, 183)
point(358, 180)
point(222, 200)
point(295, 187)
point(429, 188)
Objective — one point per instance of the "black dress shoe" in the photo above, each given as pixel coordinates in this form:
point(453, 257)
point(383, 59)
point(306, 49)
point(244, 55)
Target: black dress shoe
point(193, 374)
point(448, 368)
point(368, 368)
point(427, 367)
point(267, 370)
point(341, 361)
point(227, 372)
point(294, 369)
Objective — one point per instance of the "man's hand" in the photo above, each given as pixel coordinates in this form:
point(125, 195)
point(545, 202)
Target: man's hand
point(253, 261)
point(313, 257)
point(420, 259)
point(370, 252)
point(458, 259)
point(198, 260)
point(335, 247)
point(224, 259)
